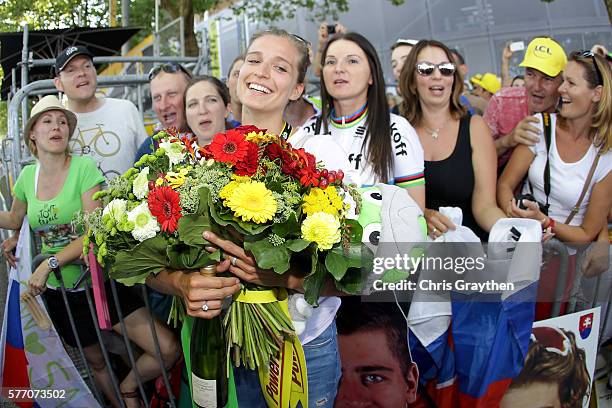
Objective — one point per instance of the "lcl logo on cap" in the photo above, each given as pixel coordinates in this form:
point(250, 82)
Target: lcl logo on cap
point(71, 50)
point(542, 51)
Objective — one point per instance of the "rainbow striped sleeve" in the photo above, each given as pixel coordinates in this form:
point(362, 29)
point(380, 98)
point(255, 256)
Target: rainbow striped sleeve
point(410, 180)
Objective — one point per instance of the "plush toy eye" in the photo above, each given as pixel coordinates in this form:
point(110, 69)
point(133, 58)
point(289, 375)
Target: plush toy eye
point(371, 234)
point(373, 197)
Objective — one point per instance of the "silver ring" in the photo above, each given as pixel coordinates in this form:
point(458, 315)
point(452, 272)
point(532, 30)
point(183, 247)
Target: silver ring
point(434, 230)
point(205, 306)
point(234, 261)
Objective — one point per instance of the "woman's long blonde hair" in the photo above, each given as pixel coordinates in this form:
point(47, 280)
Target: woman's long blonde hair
point(597, 75)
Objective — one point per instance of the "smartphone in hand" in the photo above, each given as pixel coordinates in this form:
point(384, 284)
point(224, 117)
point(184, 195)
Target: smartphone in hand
point(517, 46)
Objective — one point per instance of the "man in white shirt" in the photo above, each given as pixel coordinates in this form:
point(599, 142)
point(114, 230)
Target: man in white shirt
point(108, 130)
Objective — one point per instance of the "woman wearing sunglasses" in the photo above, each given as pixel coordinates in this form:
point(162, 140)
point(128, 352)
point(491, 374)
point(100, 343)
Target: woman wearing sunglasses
point(460, 158)
point(378, 146)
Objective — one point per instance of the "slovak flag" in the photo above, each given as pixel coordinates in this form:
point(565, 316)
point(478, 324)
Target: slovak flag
point(469, 346)
point(585, 325)
point(32, 357)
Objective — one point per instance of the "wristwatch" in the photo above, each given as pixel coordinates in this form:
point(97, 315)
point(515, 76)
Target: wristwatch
point(52, 262)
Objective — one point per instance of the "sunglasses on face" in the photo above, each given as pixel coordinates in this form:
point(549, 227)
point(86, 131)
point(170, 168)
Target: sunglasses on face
point(590, 54)
point(446, 69)
point(169, 68)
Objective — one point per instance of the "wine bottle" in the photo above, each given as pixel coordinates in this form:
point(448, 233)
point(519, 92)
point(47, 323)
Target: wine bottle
point(208, 359)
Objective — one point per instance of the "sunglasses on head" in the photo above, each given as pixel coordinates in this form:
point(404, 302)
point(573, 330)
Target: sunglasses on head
point(552, 339)
point(590, 54)
point(427, 68)
point(169, 68)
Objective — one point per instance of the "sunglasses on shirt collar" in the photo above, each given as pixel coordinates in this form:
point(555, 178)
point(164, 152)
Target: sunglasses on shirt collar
point(426, 68)
point(169, 68)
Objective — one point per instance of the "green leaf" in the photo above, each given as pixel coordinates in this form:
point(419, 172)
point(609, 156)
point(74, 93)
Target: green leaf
point(203, 205)
point(338, 262)
point(395, 275)
point(191, 227)
point(313, 283)
point(297, 245)
point(133, 266)
point(181, 256)
point(352, 282)
point(269, 256)
point(287, 227)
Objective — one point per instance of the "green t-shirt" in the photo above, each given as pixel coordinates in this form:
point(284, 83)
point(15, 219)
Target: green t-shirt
point(51, 220)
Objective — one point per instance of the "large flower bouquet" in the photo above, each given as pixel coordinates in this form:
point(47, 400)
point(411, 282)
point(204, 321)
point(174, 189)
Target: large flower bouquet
point(284, 207)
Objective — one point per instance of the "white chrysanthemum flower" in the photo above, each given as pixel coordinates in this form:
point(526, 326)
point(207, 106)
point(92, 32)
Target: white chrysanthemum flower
point(145, 225)
point(140, 186)
point(115, 209)
point(174, 151)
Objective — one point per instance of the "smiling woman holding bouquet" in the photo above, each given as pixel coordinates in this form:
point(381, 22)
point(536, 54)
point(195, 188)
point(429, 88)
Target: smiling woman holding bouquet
point(50, 192)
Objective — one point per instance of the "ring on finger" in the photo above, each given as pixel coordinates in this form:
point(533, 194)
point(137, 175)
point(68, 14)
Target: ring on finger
point(434, 230)
point(205, 306)
point(234, 261)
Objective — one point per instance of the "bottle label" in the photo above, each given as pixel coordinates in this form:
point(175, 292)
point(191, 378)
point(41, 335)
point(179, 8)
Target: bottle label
point(204, 392)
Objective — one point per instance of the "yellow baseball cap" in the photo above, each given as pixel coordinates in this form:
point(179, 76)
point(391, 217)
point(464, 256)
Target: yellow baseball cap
point(545, 55)
point(488, 81)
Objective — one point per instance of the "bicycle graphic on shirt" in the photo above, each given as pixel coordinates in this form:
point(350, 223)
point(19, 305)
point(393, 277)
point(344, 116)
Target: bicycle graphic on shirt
point(103, 143)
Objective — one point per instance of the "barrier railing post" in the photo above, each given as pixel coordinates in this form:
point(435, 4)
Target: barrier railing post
point(157, 348)
point(37, 261)
point(128, 344)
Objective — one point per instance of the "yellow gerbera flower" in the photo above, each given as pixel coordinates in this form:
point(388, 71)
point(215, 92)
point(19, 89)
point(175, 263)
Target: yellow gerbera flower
point(322, 228)
point(228, 189)
point(252, 202)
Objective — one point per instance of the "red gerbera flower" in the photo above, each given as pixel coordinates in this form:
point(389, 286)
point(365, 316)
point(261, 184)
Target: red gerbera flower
point(228, 147)
point(164, 204)
point(248, 166)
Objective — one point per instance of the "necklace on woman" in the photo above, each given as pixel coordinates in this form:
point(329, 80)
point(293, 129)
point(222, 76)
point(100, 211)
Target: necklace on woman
point(435, 132)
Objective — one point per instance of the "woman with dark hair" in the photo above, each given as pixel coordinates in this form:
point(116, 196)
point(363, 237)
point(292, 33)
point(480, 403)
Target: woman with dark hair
point(460, 158)
point(207, 106)
point(380, 146)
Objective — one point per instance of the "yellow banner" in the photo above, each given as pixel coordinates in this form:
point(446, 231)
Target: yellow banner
point(284, 381)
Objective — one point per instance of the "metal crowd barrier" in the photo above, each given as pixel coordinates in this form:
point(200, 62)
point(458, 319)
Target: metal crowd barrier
point(85, 273)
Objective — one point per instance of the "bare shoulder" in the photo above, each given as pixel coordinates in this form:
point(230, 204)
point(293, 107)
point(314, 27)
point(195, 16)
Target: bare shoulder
point(479, 132)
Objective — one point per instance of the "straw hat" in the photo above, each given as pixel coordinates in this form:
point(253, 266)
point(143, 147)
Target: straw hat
point(48, 103)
